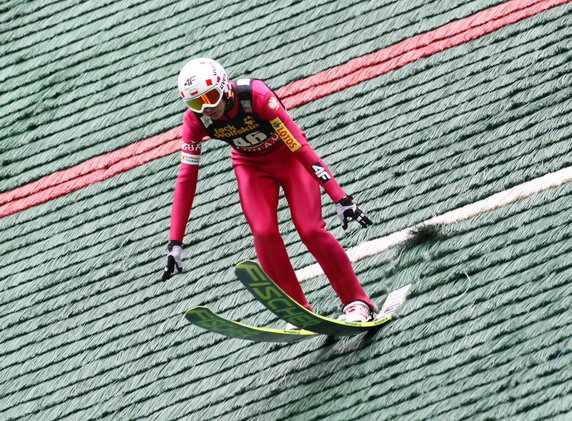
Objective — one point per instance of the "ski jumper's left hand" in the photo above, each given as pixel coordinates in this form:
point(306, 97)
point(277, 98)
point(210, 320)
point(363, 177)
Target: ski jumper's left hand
point(346, 209)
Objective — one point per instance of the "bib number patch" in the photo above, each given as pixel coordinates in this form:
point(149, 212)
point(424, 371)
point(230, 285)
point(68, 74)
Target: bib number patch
point(250, 140)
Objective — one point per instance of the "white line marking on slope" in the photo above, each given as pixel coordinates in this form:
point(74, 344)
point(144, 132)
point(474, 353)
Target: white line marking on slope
point(379, 245)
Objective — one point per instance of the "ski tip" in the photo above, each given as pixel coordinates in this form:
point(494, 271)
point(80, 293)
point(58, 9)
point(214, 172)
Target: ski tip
point(247, 262)
point(195, 308)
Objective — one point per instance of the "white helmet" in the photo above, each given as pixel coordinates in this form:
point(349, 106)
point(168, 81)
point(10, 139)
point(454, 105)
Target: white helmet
point(203, 83)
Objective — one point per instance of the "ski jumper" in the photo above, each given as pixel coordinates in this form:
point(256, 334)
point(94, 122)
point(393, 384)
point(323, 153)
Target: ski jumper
point(269, 151)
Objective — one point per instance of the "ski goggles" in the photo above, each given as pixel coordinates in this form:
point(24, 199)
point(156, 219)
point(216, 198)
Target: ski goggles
point(208, 99)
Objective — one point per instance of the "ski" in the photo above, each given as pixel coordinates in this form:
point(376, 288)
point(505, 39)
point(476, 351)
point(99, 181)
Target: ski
point(277, 301)
point(203, 317)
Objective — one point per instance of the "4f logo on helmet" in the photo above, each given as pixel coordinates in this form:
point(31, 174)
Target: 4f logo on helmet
point(321, 172)
point(190, 81)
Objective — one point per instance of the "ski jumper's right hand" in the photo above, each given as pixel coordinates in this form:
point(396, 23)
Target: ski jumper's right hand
point(173, 259)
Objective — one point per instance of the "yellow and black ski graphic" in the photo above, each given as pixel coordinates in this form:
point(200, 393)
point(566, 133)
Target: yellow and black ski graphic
point(203, 317)
point(277, 301)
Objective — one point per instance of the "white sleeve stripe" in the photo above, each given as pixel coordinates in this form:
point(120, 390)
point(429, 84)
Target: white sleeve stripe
point(187, 158)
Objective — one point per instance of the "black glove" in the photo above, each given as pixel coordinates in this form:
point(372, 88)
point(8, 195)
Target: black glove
point(346, 208)
point(173, 259)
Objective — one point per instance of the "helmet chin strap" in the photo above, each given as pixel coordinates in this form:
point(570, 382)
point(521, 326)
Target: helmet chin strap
point(229, 98)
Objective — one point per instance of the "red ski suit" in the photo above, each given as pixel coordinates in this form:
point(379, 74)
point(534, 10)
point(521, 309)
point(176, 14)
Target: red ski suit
point(263, 163)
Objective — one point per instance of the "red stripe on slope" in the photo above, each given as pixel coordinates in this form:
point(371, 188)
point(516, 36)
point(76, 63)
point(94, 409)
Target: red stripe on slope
point(91, 171)
point(397, 55)
point(294, 94)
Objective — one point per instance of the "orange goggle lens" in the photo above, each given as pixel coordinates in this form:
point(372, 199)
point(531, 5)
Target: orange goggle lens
point(208, 99)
